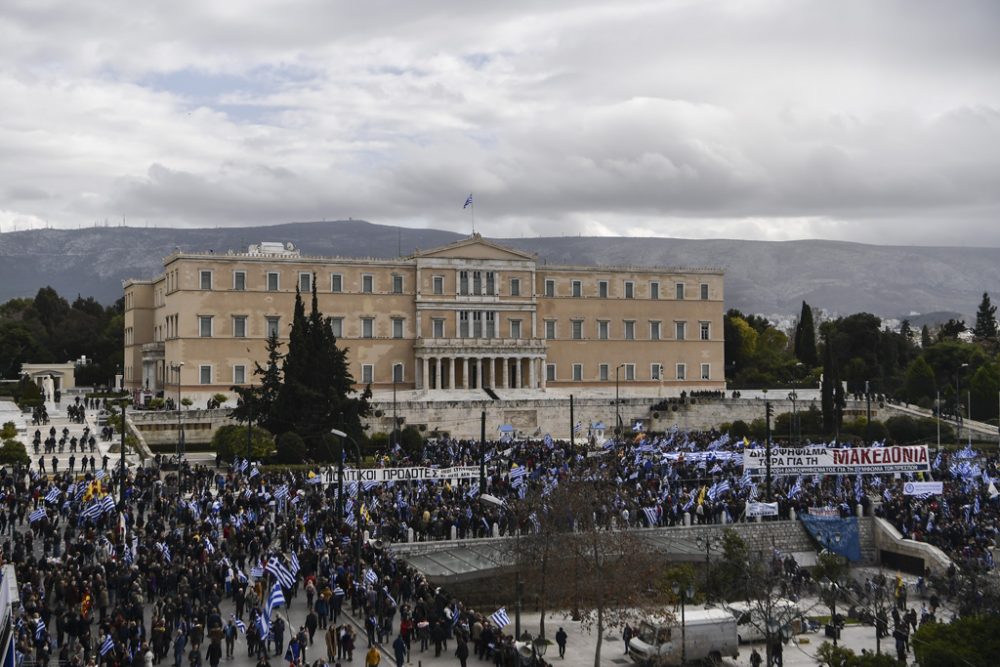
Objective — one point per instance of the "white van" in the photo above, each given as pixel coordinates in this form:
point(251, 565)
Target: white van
point(708, 634)
point(750, 621)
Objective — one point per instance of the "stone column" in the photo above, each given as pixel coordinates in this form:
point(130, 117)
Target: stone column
point(465, 373)
point(541, 364)
point(425, 378)
point(506, 370)
point(479, 373)
point(451, 372)
point(531, 373)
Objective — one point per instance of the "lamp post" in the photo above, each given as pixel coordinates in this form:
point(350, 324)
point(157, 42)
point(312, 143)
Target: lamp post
point(618, 414)
point(180, 427)
point(831, 588)
point(122, 494)
point(249, 401)
point(792, 426)
point(685, 595)
point(707, 543)
point(340, 497)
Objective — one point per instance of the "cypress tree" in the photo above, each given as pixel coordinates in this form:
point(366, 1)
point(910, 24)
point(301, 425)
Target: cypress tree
point(805, 338)
point(986, 321)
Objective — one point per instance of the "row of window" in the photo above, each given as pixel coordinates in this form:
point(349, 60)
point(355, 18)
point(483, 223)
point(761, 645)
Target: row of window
point(471, 324)
point(470, 283)
point(656, 372)
point(206, 373)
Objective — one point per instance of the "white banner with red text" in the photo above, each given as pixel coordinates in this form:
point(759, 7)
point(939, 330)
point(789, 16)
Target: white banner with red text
point(828, 460)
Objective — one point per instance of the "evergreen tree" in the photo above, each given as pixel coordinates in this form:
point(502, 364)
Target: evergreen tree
point(805, 338)
point(919, 381)
point(925, 337)
point(986, 321)
point(256, 402)
point(826, 388)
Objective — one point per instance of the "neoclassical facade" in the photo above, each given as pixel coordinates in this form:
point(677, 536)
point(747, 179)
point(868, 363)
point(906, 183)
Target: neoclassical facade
point(469, 316)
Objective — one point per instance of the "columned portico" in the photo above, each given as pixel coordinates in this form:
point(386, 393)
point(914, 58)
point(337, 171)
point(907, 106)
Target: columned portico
point(473, 364)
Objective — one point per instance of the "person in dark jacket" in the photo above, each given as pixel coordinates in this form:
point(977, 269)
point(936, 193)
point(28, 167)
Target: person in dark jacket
point(561, 642)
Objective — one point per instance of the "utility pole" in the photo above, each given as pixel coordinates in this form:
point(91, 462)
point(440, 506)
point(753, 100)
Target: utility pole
point(482, 452)
point(572, 424)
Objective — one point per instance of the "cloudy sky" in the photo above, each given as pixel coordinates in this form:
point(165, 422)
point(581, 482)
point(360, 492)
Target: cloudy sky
point(866, 120)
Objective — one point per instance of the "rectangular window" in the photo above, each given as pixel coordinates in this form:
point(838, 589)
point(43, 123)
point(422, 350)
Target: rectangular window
point(603, 327)
point(463, 324)
point(515, 287)
point(367, 283)
point(337, 327)
point(239, 280)
point(367, 373)
point(477, 324)
point(629, 289)
point(681, 371)
point(577, 372)
point(654, 290)
point(206, 279)
point(397, 327)
point(656, 371)
point(577, 288)
point(550, 372)
point(239, 374)
point(205, 326)
point(602, 372)
point(515, 329)
point(654, 331)
point(491, 324)
point(437, 284)
point(550, 329)
point(273, 284)
point(630, 372)
point(397, 372)
point(491, 283)
point(367, 327)
point(706, 372)
point(272, 326)
point(550, 288)
point(437, 328)
point(239, 326)
point(397, 283)
point(704, 291)
point(629, 330)
point(477, 283)
point(336, 283)
point(680, 330)
point(706, 330)
point(679, 288)
point(577, 329)
point(305, 283)
point(463, 283)
point(602, 289)
point(205, 374)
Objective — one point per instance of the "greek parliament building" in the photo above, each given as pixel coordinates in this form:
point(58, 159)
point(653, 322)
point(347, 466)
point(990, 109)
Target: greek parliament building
point(469, 316)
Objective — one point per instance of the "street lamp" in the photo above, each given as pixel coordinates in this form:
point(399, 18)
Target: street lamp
point(831, 588)
point(618, 414)
point(340, 497)
point(180, 428)
point(685, 595)
point(792, 396)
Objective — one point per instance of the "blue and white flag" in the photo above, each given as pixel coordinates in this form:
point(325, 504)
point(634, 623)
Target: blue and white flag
point(281, 492)
point(293, 563)
point(241, 626)
point(53, 495)
point(165, 550)
point(257, 571)
point(371, 577)
point(796, 488)
point(108, 504)
point(276, 599)
point(37, 515)
point(39, 629)
point(500, 618)
point(468, 201)
point(651, 515)
point(254, 472)
point(280, 572)
point(108, 645)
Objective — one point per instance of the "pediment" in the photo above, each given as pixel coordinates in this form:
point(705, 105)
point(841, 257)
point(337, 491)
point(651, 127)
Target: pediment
point(475, 247)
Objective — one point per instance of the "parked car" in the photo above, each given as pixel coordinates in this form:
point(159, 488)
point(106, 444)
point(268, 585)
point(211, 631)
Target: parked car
point(708, 634)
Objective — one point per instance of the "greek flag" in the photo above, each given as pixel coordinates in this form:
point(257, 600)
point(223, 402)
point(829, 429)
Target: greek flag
point(368, 486)
point(722, 487)
point(796, 488)
point(371, 577)
point(277, 598)
point(165, 550)
point(975, 506)
point(53, 495)
point(753, 493)
point(257, 572)
point(651, 516)
point(745, 480)
point(99, 475)
point(254, 473)
point(92, 512)
point(108, 646)
point(338, 592)
point(209, 547)
point(281, 493)
point(37, 515)
point(388, 596)
point(40, 629)
point(241, 626)
point(690, 503)
point(468, 202)
point(887, 494)
point(244, 464)
point(263, 625)
point(281, 573)
point(319, 541)
point(108, 504)
point(473, 490)
point(294, 564)
point(578, 427)
point(500, 618)
point(548, 441)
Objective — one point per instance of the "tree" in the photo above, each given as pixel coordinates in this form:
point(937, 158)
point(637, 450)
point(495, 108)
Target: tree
point(973, 640)
point(951, 329)
point(256, 402)
point(925, 337)
point(805, 337)
point(919, 382)
point(985, 387)
point(985, 330)
point(13, 452)
point(230, 442)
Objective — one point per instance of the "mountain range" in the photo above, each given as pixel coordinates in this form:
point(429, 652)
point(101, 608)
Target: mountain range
point(767, 277)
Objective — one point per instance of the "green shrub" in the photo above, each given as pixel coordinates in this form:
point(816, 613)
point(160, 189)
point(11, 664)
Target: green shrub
point(8, 431)
point(739, 430)
point(411, 440)
point(291, 448)
point(13, 452)
point(903, 429)
point(230, 442)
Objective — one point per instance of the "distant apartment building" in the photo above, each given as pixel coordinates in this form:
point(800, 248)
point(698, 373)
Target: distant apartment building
point(465, 316)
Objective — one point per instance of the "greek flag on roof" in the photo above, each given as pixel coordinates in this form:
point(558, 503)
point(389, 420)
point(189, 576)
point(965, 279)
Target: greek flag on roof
point(500, 618)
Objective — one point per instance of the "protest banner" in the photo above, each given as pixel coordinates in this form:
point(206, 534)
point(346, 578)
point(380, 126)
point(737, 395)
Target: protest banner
point(828, 460)
point(415, 474)
point(922, 488)
point(762, 509)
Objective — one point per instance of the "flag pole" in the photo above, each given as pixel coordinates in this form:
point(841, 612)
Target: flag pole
point(473, 207)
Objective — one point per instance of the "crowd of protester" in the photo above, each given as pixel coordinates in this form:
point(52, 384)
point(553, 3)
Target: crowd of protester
point(195, 560)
